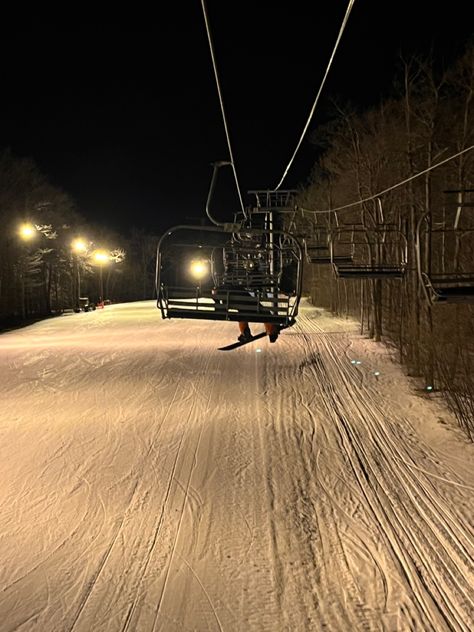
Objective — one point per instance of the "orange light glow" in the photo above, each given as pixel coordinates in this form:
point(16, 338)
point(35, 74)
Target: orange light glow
point(101, 257)
point(79, 245)
point(27, 231)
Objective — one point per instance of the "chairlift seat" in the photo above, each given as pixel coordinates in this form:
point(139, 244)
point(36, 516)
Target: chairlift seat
point(228, 305)
point(452, 289)
point(369, 272)
point(321, 254)
point(326, 258)
point(460, 294)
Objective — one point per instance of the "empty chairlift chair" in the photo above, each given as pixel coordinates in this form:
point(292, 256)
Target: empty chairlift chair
point(379, 252)
point(317, 248)
point(445, 251)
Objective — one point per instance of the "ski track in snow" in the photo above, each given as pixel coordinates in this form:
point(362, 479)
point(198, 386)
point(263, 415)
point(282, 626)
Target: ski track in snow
point(151, 482)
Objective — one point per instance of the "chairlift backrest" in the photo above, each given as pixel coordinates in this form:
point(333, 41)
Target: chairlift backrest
point(254, 275)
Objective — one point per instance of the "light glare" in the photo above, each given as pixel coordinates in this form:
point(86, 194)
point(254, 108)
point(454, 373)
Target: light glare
point(79, 245)
point(199, 268)
point(27, 231)
point(100, 256)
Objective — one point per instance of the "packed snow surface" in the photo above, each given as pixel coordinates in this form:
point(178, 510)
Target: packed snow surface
point(151, 482)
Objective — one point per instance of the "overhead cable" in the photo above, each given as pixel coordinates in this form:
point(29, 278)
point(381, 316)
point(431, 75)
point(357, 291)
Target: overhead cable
point(221, 101)
point(341, 30)
point(395, 186)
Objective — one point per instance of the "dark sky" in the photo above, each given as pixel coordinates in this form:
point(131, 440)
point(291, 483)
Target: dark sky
point(123, 114)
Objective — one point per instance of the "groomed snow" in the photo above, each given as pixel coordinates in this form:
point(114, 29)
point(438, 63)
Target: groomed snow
point(151, 482)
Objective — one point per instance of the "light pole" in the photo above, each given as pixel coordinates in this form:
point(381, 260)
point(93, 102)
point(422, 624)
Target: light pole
point(27, 232)
point(101, 258)
point(79, 247)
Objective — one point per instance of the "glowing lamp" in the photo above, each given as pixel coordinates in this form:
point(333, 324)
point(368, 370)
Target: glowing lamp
point(101, 257)
point(27, 231)
point(199, 268)
point(79, 245)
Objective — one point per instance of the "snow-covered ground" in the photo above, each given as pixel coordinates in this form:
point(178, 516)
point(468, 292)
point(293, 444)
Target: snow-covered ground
point(149, 481)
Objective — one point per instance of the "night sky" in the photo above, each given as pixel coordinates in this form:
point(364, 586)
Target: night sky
point(123, 114)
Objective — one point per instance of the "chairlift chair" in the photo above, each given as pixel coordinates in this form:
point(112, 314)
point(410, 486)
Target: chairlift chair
point(445, 253)
point(245, 270)
point(378, 252)
point(317, 248)
point(204, 272)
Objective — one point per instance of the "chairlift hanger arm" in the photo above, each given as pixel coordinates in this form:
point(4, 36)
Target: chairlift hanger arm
point(229, 227)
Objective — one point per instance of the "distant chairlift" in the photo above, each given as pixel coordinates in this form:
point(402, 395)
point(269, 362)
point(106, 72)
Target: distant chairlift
point(445, 250)
point(378, 252)
point(246, 270)
point(317, 248)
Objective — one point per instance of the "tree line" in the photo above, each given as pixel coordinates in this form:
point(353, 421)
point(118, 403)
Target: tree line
point(42, 269)
point(428, 118)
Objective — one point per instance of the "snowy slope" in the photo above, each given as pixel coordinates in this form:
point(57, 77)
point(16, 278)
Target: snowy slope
point(151, 482)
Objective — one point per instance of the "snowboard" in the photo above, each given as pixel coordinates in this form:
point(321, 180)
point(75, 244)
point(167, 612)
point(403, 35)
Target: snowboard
point(237, 344)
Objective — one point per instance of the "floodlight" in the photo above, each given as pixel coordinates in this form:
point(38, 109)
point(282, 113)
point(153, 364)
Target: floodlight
point(199, 268)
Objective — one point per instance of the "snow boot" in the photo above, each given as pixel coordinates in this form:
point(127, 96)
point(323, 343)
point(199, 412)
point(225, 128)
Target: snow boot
point(272, 331)
point(245, 335)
